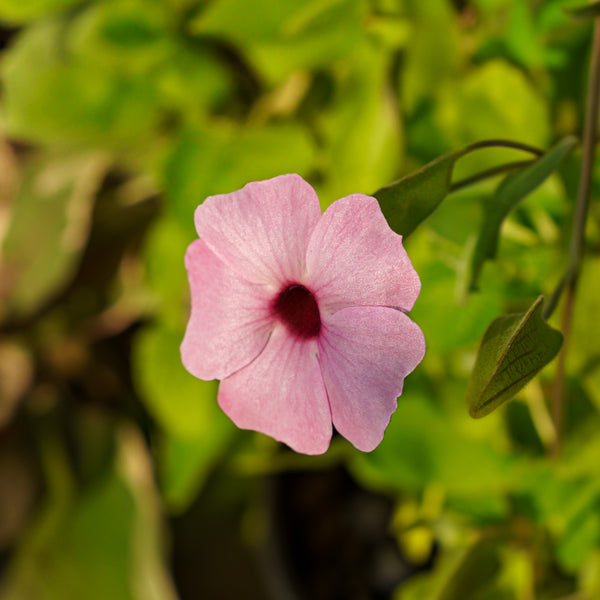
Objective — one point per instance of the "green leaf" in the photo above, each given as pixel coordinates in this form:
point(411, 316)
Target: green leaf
point(433, 54)
point(581, 536)
point(219, 160)
point(584, 11)
point(513, 350)
point(459, 574)
point(129, 37)
point(409, 201)
point(281, 37)
point(447, 322)
point(48, 229)
point(182, 405)
point(184, 465)
point(364, 141)
point(478, 568)
point(514, 188)
point(479, 105)
point(421, 448)
point(196, 432)
point(52, 95)
point(26, 10)
point(106, 542)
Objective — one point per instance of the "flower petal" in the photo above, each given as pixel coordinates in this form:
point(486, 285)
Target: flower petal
point(365, 353)
point(229, 323)
point(262, 230)
point(282, 395)
point(355, 259)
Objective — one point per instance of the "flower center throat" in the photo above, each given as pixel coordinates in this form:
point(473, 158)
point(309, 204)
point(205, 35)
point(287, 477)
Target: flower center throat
point(297, 308)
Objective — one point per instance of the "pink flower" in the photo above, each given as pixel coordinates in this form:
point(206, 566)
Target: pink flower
point(301, 315)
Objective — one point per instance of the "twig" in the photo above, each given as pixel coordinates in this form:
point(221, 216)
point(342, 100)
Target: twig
point(463, 183)
point(578, 236)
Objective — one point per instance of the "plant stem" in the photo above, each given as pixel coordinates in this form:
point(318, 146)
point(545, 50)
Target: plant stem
point(463, 183)
point(569, 281)
point(504, 144)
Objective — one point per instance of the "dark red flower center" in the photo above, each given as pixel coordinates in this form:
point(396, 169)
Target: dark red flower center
point(297, 308)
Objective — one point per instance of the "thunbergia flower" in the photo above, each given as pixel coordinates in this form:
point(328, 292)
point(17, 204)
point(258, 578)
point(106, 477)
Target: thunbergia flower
point(301, 315)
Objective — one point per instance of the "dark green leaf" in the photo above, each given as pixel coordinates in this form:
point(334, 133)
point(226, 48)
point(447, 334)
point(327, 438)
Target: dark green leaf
point(513, 350)
point(412, 199)
point(514, 188)
point(584, 11)
point(480, 565)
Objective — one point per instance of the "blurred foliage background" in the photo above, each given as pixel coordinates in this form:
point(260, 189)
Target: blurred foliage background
point(119, 476)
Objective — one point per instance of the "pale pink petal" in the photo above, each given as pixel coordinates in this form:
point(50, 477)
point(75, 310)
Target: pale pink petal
point(355, 259)
point(230, 321)
point(262, 230)
point(282, 395)
point(365, 353)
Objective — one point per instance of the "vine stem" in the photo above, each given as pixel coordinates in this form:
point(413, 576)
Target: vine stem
point(499, 170)
point(496, 143)
point(571, 277)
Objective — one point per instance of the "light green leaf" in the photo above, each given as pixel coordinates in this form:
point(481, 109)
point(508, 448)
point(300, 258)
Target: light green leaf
point(432, 55)
point(220, 160)
point(420, 448)
point(364, 145)
point(196, 432)
point(21, 11)
point(513, 189)
point(183, 405)
point(185, 464)
point(165, 247)
point(513, 350)
point(48, 229)
point(129, 36)
point(280, 37)
point(447, 321)
point(493, 100)
point(53, 96)
point(581, 536)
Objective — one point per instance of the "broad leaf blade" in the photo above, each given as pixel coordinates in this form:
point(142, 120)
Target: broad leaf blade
point(47, 229)
point(409, 201)
point(513, 189)
point(513, 350)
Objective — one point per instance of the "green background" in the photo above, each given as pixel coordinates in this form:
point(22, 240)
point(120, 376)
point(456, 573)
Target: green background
point(119, 476)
